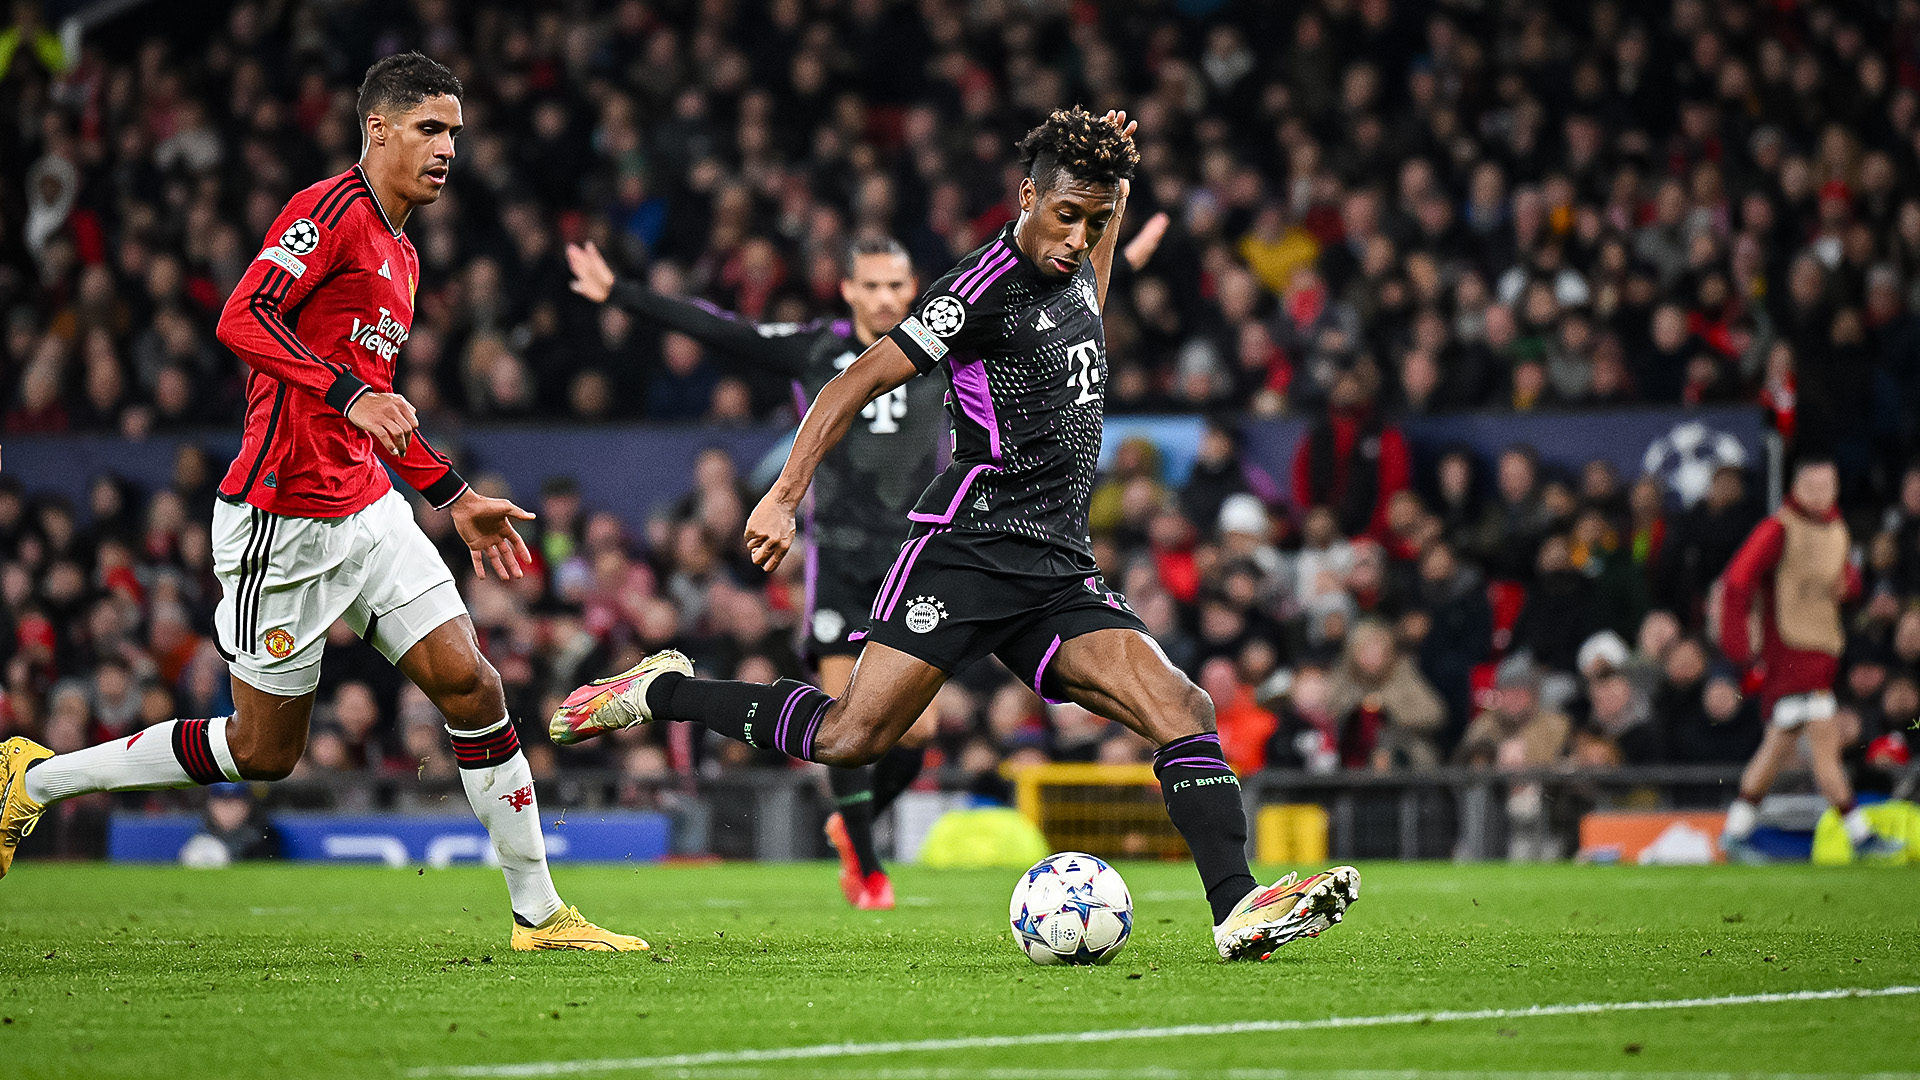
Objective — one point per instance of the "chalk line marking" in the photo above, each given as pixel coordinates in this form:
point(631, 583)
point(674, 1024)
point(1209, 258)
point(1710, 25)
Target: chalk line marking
point(1243, 1027)
point(1151, 1072)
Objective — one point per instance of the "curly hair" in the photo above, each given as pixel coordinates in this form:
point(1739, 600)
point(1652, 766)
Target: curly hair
point(1080, 144)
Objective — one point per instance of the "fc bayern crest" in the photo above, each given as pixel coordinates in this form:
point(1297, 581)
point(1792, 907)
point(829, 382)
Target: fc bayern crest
point(301, 237)
point(924, 614)
point(944, 316)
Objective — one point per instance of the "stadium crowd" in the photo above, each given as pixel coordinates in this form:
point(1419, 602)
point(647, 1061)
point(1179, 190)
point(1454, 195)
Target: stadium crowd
point(1380, 208)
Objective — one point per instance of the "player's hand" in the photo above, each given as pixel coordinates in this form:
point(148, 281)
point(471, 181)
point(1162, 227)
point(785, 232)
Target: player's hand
point(592, 277)
point(1139, 250)
point(387, 417)
point(770, 531)
point(486, 525)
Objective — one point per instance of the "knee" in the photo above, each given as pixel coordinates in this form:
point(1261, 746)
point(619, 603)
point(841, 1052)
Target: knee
point(471, 697)
point(258, 759)
point(1196, 705)
point(846, 745)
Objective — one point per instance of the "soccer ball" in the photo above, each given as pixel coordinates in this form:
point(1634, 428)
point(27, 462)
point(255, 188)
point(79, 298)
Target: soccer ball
point(1071, 908)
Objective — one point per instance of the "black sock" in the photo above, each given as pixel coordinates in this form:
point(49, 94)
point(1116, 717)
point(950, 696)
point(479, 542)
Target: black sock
point(853, 794)
point(1203, 799)
point(779, 716)
point(894, 773)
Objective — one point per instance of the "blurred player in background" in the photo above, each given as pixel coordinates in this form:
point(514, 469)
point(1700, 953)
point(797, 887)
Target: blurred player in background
point(308, 529)
point(1787, 583)
point(861, 494)
point(999, 561)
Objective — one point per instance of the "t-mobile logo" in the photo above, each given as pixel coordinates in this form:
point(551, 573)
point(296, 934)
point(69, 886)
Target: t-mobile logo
point(1084, 372)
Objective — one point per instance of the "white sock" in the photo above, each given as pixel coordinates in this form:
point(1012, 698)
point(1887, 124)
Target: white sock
point(1858, 827)
point(1742, 816)
point(143, 761)
point(499, 785)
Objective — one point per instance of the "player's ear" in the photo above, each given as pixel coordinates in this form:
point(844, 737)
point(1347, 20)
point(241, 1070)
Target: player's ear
point(376, 129)
point(1028, 194)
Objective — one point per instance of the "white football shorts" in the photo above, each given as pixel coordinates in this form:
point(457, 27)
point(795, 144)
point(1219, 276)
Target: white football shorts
point(286, 579)
point(1796, 710)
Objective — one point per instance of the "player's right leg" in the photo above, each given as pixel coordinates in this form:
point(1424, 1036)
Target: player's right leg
point(262, 740)
point(280, 591)
point(888, 692)
point(1118, 672)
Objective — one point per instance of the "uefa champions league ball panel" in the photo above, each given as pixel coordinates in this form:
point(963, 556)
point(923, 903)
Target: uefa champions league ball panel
point(1070, 908)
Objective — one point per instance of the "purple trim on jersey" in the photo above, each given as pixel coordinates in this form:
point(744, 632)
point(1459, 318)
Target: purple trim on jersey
point(906, 570)
point(886, 583)
point(992, 255)
point(978, 289)
point(954, 506)
point(786, 711)
point(1041, 671)
point(712, 308)
point(857, 635)
point(811, 570)
point(976, 398)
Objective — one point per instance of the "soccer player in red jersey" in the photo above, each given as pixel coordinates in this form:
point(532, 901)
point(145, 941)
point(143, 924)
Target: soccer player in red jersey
point(308, 528)
point(1777, 613)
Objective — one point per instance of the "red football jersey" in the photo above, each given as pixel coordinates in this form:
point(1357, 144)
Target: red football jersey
point(320, 317)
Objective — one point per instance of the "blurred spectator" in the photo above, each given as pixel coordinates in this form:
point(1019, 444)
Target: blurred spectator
point(1389, 716)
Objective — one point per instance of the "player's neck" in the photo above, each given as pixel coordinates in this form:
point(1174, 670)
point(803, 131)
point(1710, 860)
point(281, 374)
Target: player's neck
point(396, 208)
point(863, 335)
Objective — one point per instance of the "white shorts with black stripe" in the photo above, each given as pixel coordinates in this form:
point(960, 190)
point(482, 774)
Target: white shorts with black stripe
point(286, 579)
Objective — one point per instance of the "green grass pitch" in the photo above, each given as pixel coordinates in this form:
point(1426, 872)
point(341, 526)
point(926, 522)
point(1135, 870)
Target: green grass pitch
point(307, 971)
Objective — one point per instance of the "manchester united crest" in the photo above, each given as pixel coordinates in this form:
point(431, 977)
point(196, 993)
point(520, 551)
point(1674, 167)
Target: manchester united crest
point(279, 643)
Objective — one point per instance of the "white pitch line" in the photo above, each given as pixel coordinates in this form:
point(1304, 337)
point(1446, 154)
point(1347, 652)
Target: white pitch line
point(1162, 1073)
point(1244, 1027)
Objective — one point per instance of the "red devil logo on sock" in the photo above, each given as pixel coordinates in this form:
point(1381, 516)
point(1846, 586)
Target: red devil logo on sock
point(520, 799)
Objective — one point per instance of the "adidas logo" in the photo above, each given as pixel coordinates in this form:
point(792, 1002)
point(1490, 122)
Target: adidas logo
point(981, 503)
point(384, 272)
point(1043, 323)
point(271, 481)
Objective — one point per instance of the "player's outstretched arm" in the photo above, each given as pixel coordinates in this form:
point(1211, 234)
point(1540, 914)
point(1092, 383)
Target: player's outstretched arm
point(1110, 239)
point(765, 346)
point(486, 525)
point(770, 528)
point(1139, 250)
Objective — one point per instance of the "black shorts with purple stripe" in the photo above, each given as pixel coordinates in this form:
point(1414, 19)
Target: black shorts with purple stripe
point(955, 596)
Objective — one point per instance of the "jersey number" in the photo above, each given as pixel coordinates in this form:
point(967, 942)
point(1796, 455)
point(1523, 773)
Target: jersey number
point(885, 412)
point(1083, 371)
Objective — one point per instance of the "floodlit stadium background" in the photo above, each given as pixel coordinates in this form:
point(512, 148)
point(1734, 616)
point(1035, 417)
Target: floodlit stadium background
point(1575, 258)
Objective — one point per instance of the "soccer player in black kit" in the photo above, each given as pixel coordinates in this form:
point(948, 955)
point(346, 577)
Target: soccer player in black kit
point(861, 493)
point(999, 559)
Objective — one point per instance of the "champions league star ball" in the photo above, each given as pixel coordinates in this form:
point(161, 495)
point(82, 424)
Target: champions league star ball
point(1071, 908)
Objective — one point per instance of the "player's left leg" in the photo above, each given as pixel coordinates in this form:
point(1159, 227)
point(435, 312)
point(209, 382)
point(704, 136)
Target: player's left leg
point(1119, 672)
point(1825, 742)
point(409, 609)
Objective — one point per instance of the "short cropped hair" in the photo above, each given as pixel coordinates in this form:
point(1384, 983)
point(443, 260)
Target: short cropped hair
point(871, 245)
point(1079, 144)
point(402, 81)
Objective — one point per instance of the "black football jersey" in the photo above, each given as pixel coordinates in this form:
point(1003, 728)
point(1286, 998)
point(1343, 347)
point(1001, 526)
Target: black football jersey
point(1026, 362)
point(867, 484)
